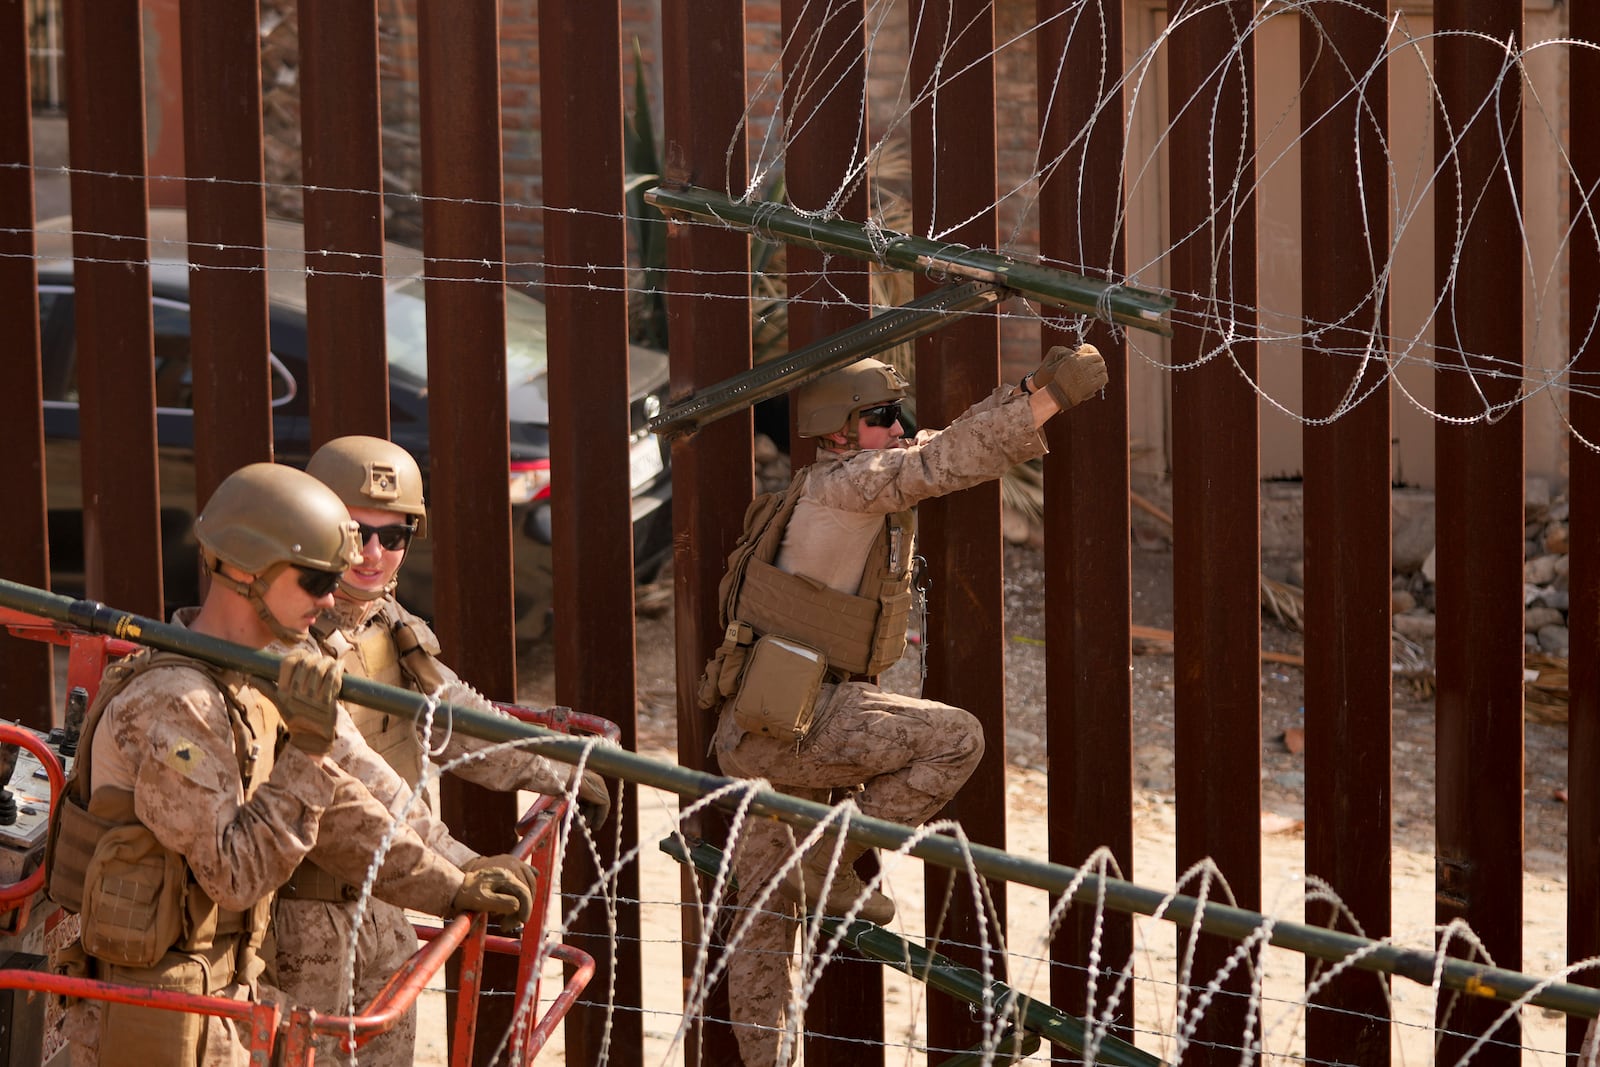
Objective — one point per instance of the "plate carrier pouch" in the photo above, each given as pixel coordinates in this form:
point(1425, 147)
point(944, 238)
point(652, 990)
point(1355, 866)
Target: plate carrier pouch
point(778, 695)
point(137, 898)
point(859, 635)
point(385, 650)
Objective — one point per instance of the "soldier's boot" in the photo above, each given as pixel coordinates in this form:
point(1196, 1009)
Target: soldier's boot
point(803, 884)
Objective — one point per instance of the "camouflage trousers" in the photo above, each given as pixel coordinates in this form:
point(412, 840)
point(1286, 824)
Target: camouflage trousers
point(908, 757)
point(313, 947)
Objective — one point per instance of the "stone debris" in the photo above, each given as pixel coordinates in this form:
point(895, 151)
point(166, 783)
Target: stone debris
point(1545, 598)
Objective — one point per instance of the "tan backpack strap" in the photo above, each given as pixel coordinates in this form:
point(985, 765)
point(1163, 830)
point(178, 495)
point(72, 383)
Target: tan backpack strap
point(117, 678)
point(113, 681)
point(764, 524)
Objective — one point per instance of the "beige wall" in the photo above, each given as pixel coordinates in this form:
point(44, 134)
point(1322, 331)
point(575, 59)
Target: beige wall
point(1412, 296)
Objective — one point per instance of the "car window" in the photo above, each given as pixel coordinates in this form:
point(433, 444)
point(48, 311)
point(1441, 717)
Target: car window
point(174, 372)
point(406, 323)
point(54, 355)
point(174, 369)
point(527, 344)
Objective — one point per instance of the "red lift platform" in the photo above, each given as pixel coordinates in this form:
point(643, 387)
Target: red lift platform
point(27, 915)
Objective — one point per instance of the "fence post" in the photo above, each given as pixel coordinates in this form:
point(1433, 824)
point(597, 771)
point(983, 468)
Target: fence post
point(27, 683)
point(221, 48)
point(1216, 475)
point(1583, 711)
point(704, 143)
point(464, 246)
point(586, 289)
point(1347, 556)
point(341, 129)
point(1477, 140)
point(954, 149)
point(111, 252)
point(1088, 603)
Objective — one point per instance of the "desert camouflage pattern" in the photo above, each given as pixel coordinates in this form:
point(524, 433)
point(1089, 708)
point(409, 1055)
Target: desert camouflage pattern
point(356, 757)
point(313, 936)
point(847, 493)
point(310, 964)
point(761, 967)
point(169, 739)
point(909, 756)
point(502, 770)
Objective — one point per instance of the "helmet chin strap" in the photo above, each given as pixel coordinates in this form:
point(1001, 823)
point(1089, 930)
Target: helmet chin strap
point(254, 593)
point(366, 596)
point(851, 432)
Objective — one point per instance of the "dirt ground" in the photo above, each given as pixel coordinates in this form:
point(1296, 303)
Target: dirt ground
point(1283, 801)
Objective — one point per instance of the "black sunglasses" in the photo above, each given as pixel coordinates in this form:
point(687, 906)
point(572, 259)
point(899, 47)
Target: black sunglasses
point(392, 538)
point(317, 584)
point(882, 416)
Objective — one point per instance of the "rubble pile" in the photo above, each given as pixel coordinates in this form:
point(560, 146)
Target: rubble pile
point(1544, 573)
point(1546, 638)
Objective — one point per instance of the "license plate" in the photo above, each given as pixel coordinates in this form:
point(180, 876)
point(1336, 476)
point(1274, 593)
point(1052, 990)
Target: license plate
point(644, 461)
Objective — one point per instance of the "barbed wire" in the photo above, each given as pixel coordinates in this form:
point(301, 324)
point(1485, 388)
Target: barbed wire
point(1237, 177)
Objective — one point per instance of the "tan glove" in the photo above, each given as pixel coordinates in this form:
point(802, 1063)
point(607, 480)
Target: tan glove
point(508, 863)
point(1071, 377)
point(494, 890)
point(308, 692)
point(594, 799)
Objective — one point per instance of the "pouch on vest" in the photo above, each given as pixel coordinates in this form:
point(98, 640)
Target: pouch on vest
point(778, 696)
point(70, 842)
point(135, 1036)
point(132, 898)
point(720, 680)
point(418, 650)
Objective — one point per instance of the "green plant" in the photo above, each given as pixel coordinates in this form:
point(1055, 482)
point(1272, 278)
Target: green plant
point(647, 227)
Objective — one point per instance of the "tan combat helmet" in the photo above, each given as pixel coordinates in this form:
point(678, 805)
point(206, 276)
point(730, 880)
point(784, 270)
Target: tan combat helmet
point(265, 517)
point(369, 472)
point(829, 404)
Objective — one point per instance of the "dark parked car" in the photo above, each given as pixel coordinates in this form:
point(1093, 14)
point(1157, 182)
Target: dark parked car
point(528, 480)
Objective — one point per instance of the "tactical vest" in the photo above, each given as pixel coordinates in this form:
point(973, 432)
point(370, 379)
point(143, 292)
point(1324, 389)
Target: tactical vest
point(395, 650)
point(138, 899)
point(860, 634)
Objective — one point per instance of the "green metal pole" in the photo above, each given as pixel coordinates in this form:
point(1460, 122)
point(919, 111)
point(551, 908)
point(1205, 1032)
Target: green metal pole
point(944, 974)
point(776, 376)
point(1188, 912)
point(1139, 308)
point(939, 972)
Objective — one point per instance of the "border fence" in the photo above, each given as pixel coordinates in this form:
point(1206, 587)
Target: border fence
point(1208, 80)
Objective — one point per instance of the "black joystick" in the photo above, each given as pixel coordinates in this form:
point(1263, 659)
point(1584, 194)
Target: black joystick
point(8, 802)
point(77, 704)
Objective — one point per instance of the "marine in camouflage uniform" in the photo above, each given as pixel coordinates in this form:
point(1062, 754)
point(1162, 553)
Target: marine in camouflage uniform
point(904, 757)
point(373, 636)
point(200, 800)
